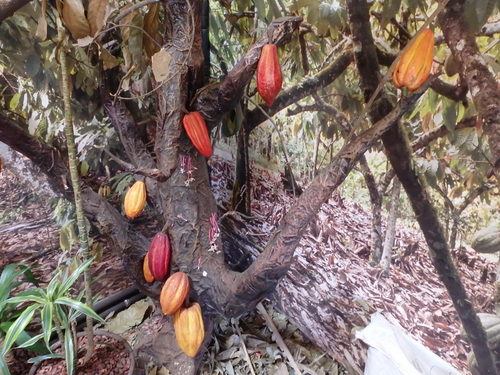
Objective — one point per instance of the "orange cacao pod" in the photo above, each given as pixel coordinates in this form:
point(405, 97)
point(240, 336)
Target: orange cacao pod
point(135, 199)
point(174, 293)
point(196, 129)
point(414, 66)
point(148, 276)
point(269, 77)
point(189, 329)
point(159, 256)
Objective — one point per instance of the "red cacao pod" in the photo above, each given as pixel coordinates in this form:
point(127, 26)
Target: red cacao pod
point(414, 66)
point(174, 293)
point(196, 129)
point(148, 276)
point(135, 199)
point(189, 329)
point(269, 77)
point(159, 254)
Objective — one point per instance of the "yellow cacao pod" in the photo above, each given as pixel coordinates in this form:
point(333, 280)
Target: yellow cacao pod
point(189, 329)
point(414, 66)
point(174, 293)
point(148, 276)
point(135, 199)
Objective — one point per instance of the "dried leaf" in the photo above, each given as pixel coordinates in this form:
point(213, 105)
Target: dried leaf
point(96, 15)
point(73, 16)
point(160, 63)
point(127, 20)
point(84, 42)
point(152, 37)
point(108, 60)
point(41, 30)
point(128, 318)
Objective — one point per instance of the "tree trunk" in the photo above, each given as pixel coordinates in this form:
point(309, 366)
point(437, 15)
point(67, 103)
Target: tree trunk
point(241, 199)
point(376, 207)
point(454, 229)
point(385, 261)
point(24, 169)
point(316, 149)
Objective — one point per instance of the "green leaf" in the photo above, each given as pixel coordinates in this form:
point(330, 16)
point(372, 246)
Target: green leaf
point(28, 298)
point(24, 340)
point(449, 114)
point(32, 65)
point(54, 286)
point(47, 316)
point(14, 101)
point(79, 306)
point(41, 358)
point(32, 341)
point(389, 9)
point(69, 352)
point(8, 275)
point(66, 284)
point(477, 13)
point(18, 326)
point(4, 369)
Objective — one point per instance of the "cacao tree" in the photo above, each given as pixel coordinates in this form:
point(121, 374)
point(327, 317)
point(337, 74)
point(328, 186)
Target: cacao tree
point(148, 105)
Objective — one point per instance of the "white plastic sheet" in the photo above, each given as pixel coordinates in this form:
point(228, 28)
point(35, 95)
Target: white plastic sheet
point(393, 352)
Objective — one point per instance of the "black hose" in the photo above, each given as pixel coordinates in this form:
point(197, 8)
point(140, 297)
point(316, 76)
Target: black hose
point(115, 302)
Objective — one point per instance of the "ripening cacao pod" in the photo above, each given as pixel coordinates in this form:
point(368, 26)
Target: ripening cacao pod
point(159, 256)
point(146, 271)
point(196, 129)
point(174, 293)
point(269, 77)
point(189, 329)
point(414, 66)
point(135, 199)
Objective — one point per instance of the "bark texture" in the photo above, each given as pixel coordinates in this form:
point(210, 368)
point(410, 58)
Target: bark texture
point(376, 208)
point(399, 154)
point(390, 233)
point(473, 69)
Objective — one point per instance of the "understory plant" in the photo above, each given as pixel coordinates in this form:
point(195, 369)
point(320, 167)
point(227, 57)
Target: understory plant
point(13, 276)
point(57, 312)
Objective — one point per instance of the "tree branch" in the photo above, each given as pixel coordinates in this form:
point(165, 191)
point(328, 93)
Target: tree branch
point(399, 154)
point(472, 196)
point(49, 159)
point(262, 276)
point(473, 70)
point(126, 128)
point(8, 7)
point(307, 87)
